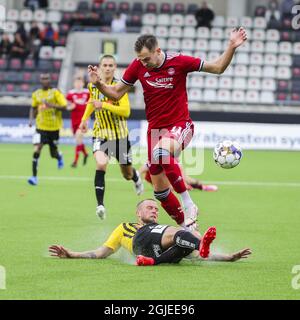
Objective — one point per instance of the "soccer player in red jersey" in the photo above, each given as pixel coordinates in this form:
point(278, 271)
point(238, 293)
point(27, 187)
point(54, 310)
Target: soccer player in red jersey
point(163, 78)
point(78, 98)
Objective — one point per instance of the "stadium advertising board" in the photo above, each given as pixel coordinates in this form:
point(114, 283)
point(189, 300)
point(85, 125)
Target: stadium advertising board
point(16, 130)
point(254, 136)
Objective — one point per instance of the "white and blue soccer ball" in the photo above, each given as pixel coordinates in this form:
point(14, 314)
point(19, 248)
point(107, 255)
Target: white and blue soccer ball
point(227, 154)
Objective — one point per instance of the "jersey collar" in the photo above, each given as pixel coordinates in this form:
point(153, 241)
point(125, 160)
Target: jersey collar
point(165, 58)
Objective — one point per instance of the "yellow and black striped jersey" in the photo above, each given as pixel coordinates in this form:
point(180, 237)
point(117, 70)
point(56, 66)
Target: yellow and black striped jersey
point(110, 122)
point(122, 236)
point(48, 119)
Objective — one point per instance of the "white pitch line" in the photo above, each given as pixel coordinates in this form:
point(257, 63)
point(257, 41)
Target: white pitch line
point(256, 183)
point(63, 178)
point(226, 183)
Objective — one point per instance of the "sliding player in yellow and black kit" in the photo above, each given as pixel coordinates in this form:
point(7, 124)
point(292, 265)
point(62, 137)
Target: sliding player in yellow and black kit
point(110, 133)
point(47, 105)
point(152, 242)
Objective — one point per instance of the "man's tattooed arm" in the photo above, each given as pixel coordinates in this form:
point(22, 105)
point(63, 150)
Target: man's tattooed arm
point(88, 255)
point(62, 252)
point(100, 253)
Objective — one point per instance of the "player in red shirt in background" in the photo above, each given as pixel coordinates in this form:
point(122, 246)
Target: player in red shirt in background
point(78, 98)
point(170, 128)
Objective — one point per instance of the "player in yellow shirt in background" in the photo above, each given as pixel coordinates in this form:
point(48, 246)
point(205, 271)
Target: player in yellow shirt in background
point(110, 133)
point(46, 108)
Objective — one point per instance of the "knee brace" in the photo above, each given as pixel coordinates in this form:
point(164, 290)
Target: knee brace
point(158, 153)
point(162, 195)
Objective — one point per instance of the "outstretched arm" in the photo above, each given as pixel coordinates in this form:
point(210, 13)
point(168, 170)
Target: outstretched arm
point(115, 92)
point(242, 254)
point(237, 38)
point(61, 252)
point(122, 110)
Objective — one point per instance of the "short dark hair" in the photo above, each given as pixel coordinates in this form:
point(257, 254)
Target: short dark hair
point(146, 40)
point(107, 56)
point(45, 75)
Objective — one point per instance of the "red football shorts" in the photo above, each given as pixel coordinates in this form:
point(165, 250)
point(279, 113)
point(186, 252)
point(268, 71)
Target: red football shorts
point(75, 126)
point(182, 132)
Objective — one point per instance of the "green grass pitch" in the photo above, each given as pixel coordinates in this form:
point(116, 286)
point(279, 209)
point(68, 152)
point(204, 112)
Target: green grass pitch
point(257, 206)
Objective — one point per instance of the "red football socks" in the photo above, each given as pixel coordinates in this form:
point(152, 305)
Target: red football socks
point(173, 207)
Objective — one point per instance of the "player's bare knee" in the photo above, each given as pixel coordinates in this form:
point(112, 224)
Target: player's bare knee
point(37, 148)
point(171, 231)
point(127, 172)
point(168, 144)
point(101, 166)
point(168, 237)
point(101, 163)
point(127, 175)
point(160, 182)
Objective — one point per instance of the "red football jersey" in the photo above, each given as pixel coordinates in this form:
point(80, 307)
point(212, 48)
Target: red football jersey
point(164, 87)
point(80, 99)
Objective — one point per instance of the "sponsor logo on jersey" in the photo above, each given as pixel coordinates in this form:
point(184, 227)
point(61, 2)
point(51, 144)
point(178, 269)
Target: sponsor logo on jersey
point(80, 100)
point(161, 83)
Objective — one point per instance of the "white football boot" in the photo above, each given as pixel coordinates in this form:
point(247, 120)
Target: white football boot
point(101, 212)
point(191, 216)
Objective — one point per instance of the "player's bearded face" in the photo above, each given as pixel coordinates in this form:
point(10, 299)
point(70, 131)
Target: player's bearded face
point(45, 82)
point(149, 212)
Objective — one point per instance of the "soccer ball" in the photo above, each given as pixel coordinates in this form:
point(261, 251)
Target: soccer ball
point(227, 154)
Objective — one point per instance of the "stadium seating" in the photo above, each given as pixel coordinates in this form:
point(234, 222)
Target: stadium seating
point(20, 77)
point(15, 64)
point(55, 5)
point(151, 7)
point(83, 6)
point(265, 68)
point(179, 8)
point(165, 8)
point(26, 15)
point(192, 8)
point(269, 59)
point(3, 64)
point(124, 7)
point(69, 6)
point(12, 15)
point(137, 8)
